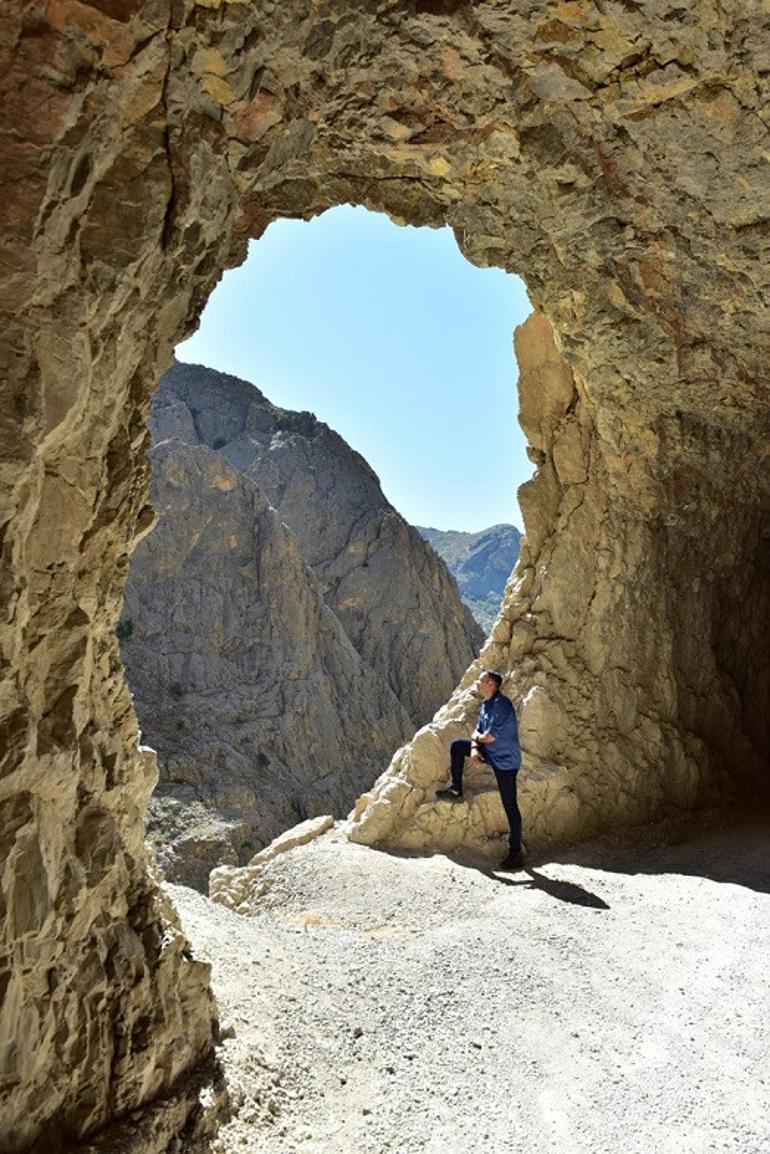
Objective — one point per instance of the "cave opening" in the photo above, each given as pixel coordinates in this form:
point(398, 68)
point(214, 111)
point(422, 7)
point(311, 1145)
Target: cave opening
point(403, 351)
point(390, 336)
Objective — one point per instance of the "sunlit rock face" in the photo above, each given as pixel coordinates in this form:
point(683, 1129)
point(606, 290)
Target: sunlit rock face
point(615, 156)
point(393, 596)
point(616, 725)
point(284, 630)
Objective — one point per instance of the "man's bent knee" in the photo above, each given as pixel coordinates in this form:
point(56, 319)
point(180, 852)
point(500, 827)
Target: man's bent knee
point(461, 745)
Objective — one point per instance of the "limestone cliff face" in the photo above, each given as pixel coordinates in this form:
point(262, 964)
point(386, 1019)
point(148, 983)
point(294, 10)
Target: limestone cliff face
point(480, 563)
point(392, 594)
point(262, 711)
point(616, 155)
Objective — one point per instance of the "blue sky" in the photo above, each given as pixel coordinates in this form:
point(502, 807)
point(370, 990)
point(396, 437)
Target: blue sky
point(395, 340)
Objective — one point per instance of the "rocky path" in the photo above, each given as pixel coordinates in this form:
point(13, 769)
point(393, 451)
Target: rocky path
point(608, 1001)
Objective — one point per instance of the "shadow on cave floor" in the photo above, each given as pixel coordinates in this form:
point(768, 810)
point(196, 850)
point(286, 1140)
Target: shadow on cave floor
point(731, 848)
point(529, 878)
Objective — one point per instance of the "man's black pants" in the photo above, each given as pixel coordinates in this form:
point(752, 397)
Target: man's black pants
point(506, 783)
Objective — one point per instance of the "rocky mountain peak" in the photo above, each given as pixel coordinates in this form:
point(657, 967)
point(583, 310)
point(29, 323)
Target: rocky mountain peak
point(284, 630)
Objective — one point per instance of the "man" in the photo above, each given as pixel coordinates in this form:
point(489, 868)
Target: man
point(495, 740)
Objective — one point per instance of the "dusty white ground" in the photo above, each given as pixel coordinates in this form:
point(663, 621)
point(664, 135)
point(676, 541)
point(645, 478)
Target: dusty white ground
point(608, 1001)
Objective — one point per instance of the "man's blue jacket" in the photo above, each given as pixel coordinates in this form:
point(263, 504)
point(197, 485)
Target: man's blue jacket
point(497, 717)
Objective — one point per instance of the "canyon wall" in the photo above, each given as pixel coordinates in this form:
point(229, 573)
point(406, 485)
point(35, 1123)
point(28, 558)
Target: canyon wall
point(615, 154)
point(284, 630)
point(393, 596)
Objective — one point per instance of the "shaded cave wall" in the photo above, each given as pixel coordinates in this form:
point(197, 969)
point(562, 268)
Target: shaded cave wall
point(612, 154)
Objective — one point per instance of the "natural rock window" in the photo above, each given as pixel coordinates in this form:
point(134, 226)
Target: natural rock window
point(284, 629)
point(616, 155)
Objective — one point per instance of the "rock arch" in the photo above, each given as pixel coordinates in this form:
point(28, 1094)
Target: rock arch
point(613, 153)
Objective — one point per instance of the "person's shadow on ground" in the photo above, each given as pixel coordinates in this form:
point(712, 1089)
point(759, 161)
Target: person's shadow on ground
point(731, 848)
point(560, 890)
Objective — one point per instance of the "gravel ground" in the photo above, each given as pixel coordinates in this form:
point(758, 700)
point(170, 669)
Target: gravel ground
point(612, 1000)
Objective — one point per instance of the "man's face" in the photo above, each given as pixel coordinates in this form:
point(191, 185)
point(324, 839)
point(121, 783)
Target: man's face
point(485, 685)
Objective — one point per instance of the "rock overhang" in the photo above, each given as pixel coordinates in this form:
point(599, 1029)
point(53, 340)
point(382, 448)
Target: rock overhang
point(615, 156)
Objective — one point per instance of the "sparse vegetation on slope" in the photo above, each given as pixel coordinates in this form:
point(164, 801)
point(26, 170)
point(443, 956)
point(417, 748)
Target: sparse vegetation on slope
point(480, 563)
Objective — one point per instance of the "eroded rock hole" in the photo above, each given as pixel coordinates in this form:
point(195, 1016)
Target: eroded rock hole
point(610, 151)
point(285, 628)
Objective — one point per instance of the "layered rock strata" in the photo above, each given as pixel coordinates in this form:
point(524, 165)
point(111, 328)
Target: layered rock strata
point(613, 153)
point(261, 709)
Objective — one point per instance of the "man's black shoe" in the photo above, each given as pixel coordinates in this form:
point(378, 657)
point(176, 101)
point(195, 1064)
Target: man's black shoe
point(514, 861)
point(449, 795)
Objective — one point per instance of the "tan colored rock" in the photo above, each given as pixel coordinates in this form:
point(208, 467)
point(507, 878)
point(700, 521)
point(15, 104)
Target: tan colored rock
point(238, 888)
point(546, 384)
point(587, 660)
point(301, 834)
point(541, 724)
point(636, 211)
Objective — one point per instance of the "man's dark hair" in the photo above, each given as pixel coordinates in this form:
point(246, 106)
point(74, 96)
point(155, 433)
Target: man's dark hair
point(495, 677)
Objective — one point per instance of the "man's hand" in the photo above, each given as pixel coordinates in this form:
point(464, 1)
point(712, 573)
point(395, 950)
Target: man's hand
point(475, 755)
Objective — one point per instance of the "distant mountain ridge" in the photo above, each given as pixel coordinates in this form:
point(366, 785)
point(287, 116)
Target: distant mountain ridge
point(481, 563)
